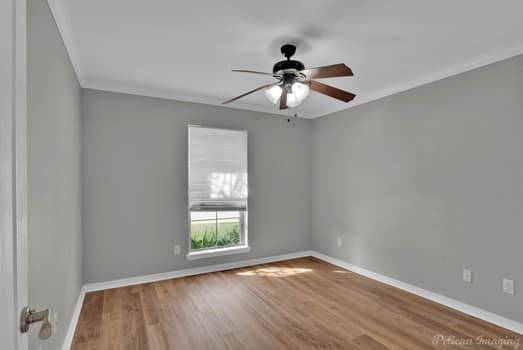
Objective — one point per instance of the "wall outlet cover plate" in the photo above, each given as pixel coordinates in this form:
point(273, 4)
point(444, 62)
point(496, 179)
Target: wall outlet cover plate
point(467, 275)
point(508, 286)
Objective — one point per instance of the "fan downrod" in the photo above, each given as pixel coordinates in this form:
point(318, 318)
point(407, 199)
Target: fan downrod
point(288, 50)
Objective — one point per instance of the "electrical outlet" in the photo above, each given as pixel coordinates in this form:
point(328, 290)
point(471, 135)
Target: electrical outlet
point(508, 286)
point(467, 276)
point(338, 241)
point(176, 250)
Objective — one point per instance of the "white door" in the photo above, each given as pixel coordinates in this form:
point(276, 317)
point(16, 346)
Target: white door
point(13, 184)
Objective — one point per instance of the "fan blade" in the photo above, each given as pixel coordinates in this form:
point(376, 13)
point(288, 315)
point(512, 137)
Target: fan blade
point(283, 97)
point(251, 71)
point(250, 92)
point(331, 91)
point(332, 71)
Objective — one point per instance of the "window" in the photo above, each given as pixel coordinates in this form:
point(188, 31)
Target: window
point(217, 190)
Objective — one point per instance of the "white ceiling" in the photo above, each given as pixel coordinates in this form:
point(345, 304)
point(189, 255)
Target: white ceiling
point(185, 50)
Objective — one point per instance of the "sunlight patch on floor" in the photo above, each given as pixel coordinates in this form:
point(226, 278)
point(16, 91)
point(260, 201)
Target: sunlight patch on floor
point(274, 272)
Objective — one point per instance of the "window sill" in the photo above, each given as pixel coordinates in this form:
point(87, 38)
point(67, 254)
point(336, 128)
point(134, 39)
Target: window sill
point(210, 253)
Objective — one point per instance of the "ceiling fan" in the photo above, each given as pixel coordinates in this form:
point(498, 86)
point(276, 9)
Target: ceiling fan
point(295, 82)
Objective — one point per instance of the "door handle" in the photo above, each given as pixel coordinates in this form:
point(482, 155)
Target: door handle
point(29, 316)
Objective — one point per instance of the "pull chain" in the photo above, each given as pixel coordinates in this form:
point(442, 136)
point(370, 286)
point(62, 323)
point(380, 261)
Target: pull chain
point(289, 116)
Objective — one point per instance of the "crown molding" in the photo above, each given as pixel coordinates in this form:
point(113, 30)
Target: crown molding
point(179, 96)
point(456, 69)
point(62, 23)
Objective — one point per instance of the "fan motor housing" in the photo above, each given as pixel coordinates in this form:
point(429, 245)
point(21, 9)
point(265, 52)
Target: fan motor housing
point(287, 65)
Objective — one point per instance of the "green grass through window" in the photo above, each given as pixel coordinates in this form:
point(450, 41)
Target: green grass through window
point(204, 235)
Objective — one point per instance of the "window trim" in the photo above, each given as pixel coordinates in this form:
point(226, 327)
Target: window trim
point(214, 251)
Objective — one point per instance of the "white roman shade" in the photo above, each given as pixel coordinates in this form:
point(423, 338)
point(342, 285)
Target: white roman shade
point(217, 169)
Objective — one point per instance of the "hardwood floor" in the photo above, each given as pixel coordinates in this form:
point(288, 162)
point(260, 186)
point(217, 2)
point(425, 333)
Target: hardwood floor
point(296, 304)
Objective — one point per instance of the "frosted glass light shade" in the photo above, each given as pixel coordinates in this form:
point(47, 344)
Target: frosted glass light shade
point(300, 90)
point(293, 100)
point(273, 94)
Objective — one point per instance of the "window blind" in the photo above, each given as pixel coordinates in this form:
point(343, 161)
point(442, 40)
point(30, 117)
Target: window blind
point(217, 169)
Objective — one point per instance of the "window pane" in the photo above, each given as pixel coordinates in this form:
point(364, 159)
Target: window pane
point(228, 228)
point(203, 229)
point(217, 180)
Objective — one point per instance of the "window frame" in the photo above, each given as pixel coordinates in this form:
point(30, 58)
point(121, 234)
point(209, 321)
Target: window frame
point(243, 247)
point(242, 218)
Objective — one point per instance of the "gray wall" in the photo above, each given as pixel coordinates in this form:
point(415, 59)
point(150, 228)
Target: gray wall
point(54, 186)
point(424, 183)
point(135, 183)
point(418, 185)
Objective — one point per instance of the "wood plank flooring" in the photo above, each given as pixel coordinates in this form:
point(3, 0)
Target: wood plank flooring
point(295, 304)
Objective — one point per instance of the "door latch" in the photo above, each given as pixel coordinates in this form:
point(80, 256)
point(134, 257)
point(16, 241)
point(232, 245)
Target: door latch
point(30, 316)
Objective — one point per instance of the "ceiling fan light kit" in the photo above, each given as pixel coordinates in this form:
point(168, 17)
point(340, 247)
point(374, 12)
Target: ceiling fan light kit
point(295, 82)
point(299, 92)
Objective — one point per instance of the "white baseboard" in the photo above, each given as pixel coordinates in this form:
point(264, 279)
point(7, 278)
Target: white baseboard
point(191, 271)
point(438, 298)
point(74, 321)
point(91, 287)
